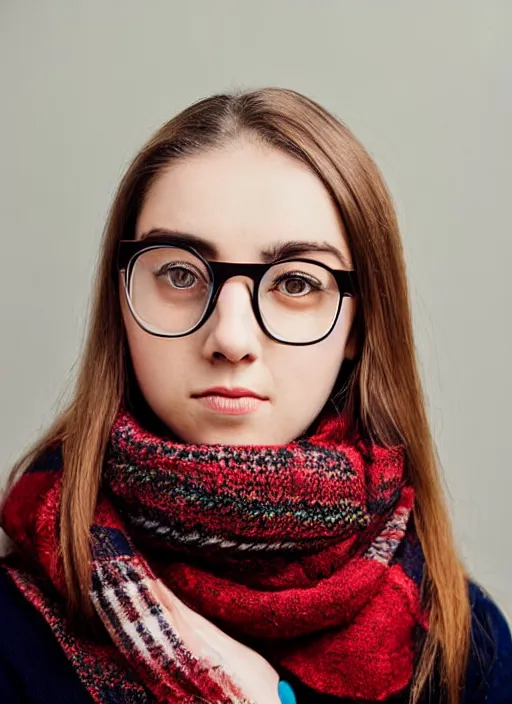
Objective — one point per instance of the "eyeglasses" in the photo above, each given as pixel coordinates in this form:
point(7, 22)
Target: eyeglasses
point(172, 291)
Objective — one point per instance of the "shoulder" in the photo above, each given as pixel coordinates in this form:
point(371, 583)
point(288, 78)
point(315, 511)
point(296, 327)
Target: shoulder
point(489, 676)
point(33, 668)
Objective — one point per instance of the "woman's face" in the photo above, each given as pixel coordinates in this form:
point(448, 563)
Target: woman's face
point(242, 200)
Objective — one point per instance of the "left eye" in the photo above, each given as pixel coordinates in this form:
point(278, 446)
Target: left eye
point(295, 285)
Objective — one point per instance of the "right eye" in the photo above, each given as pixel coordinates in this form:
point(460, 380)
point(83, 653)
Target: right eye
point(178, 276)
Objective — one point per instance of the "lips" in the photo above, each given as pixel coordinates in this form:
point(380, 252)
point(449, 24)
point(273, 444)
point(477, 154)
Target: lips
point(236, 392)
point(225, 401)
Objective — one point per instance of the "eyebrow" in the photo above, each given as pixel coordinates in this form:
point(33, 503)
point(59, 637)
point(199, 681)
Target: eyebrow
point(274, 253)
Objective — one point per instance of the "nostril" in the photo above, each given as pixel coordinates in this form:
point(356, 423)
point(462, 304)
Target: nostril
point(221, 357)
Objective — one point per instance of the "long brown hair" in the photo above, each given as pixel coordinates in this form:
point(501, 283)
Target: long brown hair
point(384, 395)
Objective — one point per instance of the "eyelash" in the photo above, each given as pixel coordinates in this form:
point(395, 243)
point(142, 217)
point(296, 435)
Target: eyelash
point(316, 285)
point(166, 268)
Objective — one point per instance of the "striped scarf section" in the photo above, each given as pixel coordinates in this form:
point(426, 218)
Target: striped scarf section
point(305, 553)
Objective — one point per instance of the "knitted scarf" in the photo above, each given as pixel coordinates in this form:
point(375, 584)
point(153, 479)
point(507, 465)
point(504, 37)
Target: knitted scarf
point(305, 552)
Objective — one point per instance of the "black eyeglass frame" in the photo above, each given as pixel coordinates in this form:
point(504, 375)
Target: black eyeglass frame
point(129, 251)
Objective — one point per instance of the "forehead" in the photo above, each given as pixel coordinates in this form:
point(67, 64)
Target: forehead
point(243, 198)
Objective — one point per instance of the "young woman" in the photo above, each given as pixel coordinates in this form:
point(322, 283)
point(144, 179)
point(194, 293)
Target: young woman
point(241, 503)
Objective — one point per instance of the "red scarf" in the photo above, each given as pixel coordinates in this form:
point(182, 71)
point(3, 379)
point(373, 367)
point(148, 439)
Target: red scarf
point(305, 552)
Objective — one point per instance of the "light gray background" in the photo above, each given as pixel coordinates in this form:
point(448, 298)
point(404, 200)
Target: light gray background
point(426, 86)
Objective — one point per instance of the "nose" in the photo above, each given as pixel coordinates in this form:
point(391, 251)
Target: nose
point(233, 332)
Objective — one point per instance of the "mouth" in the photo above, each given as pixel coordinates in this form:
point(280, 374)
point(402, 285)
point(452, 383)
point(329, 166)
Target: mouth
point(230, 401)
point(237, 392)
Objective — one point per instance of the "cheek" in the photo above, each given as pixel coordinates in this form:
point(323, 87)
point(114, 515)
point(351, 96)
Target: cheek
point(313, 368)
point(157, 362)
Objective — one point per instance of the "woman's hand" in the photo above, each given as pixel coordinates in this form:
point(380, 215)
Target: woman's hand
point(250, 671)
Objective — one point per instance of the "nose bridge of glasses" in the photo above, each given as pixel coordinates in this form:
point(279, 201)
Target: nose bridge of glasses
point(226, 271)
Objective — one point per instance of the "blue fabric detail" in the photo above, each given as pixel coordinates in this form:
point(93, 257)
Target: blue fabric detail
point(286, 693)
point(109, 542)
point(49, 461)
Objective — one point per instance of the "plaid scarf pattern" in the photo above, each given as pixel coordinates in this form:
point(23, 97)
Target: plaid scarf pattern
point(306, 553)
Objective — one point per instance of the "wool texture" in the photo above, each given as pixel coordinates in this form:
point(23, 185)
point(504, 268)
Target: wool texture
point(306, 553)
